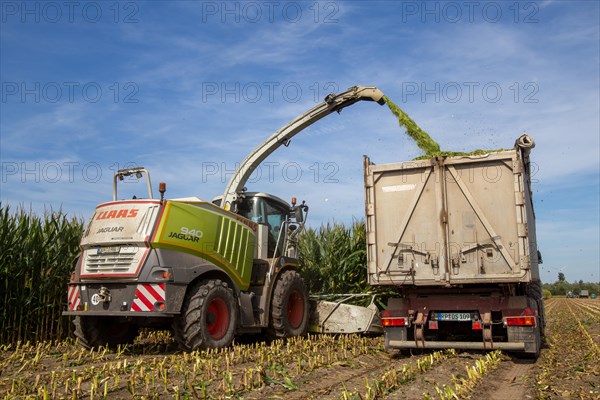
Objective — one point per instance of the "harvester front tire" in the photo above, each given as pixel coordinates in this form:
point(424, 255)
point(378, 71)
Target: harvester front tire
point(289, 306)
point(93, 332)
point(208, 317)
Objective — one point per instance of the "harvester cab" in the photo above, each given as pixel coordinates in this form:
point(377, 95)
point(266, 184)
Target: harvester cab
point(283, 222)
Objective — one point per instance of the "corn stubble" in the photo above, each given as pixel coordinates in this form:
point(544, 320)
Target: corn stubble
point(570, 366)
point(60, 369)
point(151, 368)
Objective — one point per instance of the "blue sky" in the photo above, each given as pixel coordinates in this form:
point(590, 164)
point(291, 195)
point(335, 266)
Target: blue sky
point(188, 88)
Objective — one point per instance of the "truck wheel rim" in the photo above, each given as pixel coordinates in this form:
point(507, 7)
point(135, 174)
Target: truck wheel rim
point(295, 309)
point(217, 318)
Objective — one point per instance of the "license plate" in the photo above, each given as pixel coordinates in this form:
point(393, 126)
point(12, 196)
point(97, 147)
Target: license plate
point(454, 316)
point(108, 250)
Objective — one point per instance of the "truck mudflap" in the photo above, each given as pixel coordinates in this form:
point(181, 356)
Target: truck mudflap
point(135, 299)
point(530, 336)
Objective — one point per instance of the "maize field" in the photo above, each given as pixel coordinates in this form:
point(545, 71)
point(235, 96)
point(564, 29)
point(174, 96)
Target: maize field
point(37, 256)
point(315, 366)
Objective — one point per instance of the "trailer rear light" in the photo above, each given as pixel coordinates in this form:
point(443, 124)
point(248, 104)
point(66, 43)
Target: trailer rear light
point(477, 325)
point(159, 306)
point(519, 321)
point(433, 324)
point(394, 321)
point(528, 311)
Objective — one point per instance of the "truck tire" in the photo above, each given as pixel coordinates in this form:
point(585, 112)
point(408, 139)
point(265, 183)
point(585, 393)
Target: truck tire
point(208, 317)
point(289, 306)
point(103, 331)
point(535, 291)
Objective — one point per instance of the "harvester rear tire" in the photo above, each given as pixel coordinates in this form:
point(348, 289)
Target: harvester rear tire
point(94, 332)
point(289, 306)
point(208, 317)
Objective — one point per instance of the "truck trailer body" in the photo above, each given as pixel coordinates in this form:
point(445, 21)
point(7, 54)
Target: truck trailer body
point(455, 238)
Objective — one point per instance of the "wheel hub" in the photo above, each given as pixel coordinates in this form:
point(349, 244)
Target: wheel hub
point(217, 318)
point(295, 309)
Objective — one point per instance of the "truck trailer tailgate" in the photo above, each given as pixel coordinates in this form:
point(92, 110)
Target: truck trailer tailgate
point(451, 220)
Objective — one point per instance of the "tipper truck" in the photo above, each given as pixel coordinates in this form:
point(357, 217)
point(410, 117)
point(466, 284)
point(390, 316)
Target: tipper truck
point(454, 238)
point(207, 270)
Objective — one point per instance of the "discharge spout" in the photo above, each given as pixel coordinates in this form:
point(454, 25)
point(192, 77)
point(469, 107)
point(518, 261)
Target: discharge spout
point(526, 143)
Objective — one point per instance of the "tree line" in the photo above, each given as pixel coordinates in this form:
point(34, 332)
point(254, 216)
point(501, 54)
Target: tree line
point(561, 287)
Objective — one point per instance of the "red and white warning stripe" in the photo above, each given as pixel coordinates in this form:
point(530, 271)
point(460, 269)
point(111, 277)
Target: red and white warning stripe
point(146, 295)
point(73, 297)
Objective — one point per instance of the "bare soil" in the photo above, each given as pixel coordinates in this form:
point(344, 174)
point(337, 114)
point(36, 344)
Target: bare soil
point(513, 379)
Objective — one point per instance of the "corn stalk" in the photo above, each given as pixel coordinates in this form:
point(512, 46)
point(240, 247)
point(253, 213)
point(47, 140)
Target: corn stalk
point(36, 259)
point(333, 258)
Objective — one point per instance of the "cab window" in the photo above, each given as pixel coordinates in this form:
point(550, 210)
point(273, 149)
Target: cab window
point(251, 209)
point(276, 215)
point(267, 212)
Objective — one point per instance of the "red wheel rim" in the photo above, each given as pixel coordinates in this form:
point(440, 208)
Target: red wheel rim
point(217, 318)
point(295, 309)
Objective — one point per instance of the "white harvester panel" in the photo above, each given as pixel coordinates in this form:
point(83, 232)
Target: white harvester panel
point(451, 220)
point(116, 240)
